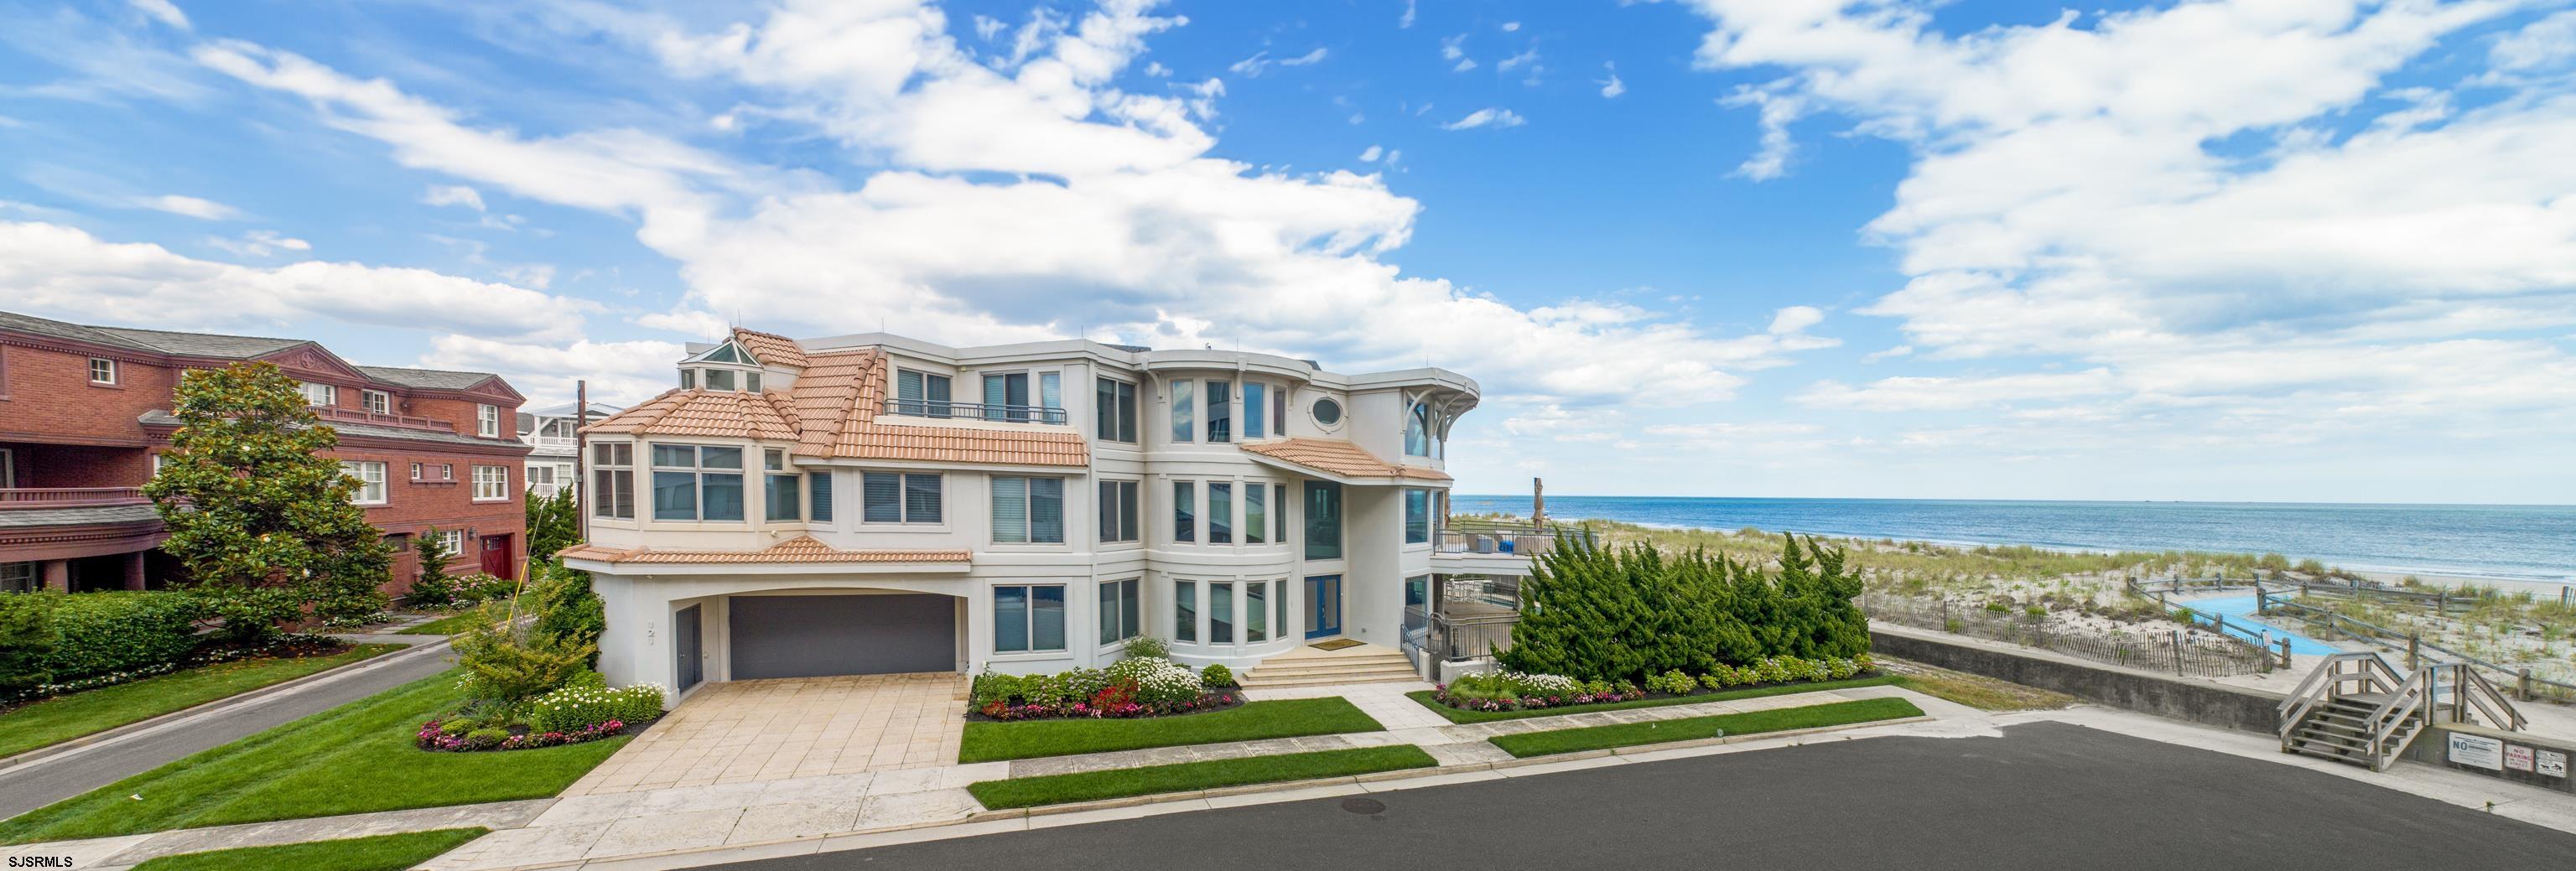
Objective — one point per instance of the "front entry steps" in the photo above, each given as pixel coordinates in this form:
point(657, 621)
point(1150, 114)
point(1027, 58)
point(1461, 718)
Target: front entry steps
point(2341, 728)
point(1307, 667)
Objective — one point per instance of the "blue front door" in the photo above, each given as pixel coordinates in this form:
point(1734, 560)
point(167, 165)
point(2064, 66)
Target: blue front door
point(1323, 606)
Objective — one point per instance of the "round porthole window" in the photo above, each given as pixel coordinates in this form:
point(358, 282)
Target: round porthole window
point(1328, 412)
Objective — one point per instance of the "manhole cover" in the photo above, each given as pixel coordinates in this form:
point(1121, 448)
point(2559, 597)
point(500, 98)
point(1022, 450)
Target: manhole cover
point(1363, 805)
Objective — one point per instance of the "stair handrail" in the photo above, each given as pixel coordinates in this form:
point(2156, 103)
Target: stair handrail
point(2397, 711)
point(2489, 700)
point(2321, 685)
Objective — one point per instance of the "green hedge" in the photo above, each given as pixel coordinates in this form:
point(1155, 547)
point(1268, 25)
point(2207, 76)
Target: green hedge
point(102, 633)
point(1601, 613)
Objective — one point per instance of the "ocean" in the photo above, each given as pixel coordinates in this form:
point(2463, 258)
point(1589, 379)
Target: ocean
point(2529, 543)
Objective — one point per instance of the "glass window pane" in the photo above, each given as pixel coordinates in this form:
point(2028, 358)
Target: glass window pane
point(1185, 611)
point(907, 391)
point(1279, 610)
point(1126, 412)
point(921, 498)
point(996, 395)
point(877, 497)
point(1050, 398)
point(819, 486)
point(1417, 516)
point(1129, 529)
point(1220, 411)
point(1184, 423)
point(1109, 613)
point(723, 495)
point(1220, 612)
point(720, 458)
point(1104, 410)
point(1107, 510)
point(1323, 520)
point(1046, 510)
point(675, 496)
point(1256, 611)
point(1256, 513)
point(1220, 511)
point(1279, 521)
point(1010, 510)
point(1130, 607)
point(1046, 618)
point(784, 499)
point(719, 379)
point(1010, 619)
point(675, 455)
point(1254, 408)
point(1279, 411)
point(1185, 521)
point(938, 397)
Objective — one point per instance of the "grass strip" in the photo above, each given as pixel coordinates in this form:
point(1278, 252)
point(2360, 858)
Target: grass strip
point(377, 853)
point(1187, 776)
point(89, 712)
point(1285, 718)
point(1455, 715)
point(1693, 728)
point(356, 758)
point(448, 625)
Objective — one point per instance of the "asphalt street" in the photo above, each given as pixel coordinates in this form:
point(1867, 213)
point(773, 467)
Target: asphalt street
point(2043, 796)
point(28, 787)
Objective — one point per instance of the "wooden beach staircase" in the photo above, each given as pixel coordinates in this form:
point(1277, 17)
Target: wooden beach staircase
point(2359, 709)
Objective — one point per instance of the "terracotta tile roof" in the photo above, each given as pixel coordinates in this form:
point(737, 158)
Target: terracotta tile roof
point(1341, 458)
point(801, 549)
point(771, 348)
point(716, 413)
point(831, 411)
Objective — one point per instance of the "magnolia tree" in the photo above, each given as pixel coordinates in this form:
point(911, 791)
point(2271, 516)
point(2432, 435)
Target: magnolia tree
point(264, 524)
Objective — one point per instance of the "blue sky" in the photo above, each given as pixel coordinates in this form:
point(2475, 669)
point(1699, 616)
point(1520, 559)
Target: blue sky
point(2293, 250)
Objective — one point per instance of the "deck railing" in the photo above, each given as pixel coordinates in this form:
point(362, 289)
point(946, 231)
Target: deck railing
point(69, 497)
point(1521, 539)
point(345, 414)
point(974, 411)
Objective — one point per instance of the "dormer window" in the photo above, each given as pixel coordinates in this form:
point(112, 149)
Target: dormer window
point(726, 367)
point(719, 379)
point(688, 379)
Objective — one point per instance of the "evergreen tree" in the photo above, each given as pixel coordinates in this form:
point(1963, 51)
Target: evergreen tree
point(553, 525)
point(264, 524)
point(569, 614)
point(1596, 612)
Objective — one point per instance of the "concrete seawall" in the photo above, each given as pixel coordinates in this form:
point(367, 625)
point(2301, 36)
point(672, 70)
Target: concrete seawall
point(2128, 689)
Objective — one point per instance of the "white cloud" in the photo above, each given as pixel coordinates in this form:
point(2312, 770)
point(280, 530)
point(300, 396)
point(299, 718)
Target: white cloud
point(1943, 394)
point(1260, 62)
point(1795, 319)
point(2549, 43)
point(1888, 354)
point(453, 195)
point(1486, 117)
point(260, 243)
point(1454, 48)
point(194, 207)
point(1371, 154)
point(64, 270)
point(1611, 87)
point(1526, 57)
point(619, 373)
point(1407, 19)
point(162, 11)
point(1510, 26)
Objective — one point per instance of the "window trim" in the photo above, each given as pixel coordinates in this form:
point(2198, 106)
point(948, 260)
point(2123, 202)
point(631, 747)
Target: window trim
point(1121, 520)
point(903, 501)
point(375, 401)
point(603, 502)
point(487, 421)
point(499, 481)
point(108, 363)
point(698, 472)
point(358, 469)
point(1118, 415)
point(1028, 510)
point(329, 394)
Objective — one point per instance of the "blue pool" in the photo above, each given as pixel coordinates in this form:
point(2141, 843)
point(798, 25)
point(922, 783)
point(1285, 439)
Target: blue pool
point(2241, 623)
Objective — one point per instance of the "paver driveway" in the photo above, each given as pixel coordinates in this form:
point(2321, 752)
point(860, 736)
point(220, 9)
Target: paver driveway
point(767, 730)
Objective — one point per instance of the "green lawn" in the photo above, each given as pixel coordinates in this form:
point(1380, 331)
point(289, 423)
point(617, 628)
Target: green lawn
point(1693, 728)
point(57, 720)
point(448, 625)
point(1458, 716)
point(1186, 776)
point(355, 758)
point(379, 853)
point(1286, 718)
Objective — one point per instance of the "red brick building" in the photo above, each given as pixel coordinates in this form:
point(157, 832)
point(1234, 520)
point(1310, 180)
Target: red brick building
point(83, 411)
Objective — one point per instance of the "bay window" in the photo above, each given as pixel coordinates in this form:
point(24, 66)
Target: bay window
point(1220, 411)
point(697, 482)
point(1185, 426)
point(1220, 511)
point(1185, 521)
point(1256, 612)
point(1113, 406)
point(1256, 513)
point(1254, 410)
point(1185, 611)
point(1220, 612)
point(1120, 606)
point(1118, 511)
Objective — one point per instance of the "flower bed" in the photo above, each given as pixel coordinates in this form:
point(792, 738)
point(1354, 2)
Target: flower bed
point(1141, 686)
point(583, 712)
point(1517, 691)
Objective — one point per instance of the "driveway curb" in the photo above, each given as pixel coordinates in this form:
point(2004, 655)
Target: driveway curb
point(41, 754)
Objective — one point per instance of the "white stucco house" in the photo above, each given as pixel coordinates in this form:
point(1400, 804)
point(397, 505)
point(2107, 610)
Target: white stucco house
point(876, 504)
point(550, 434)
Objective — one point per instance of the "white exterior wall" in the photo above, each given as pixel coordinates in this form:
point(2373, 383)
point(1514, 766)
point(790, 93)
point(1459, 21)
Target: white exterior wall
point(642, 599)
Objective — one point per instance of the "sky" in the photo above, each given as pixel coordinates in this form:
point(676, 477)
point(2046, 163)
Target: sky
point(2271, 250)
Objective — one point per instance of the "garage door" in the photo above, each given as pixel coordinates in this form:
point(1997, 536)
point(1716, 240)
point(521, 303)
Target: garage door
point(815, 636)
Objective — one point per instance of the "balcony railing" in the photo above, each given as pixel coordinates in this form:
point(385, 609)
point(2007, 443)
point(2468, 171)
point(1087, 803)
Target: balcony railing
point(1521, 539)
point(69, 497)
point(345, 414)
point(974, 411)
point(546, 441)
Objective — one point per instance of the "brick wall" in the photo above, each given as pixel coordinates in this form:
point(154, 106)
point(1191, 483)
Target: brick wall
point(48, 393)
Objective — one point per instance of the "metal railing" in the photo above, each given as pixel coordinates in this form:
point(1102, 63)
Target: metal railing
point(1489, 537)
point(2194, 652)
point(974, 411)
point(70, 497)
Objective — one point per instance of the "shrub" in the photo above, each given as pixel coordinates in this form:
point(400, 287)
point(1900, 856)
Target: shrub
point(505, 665)
point(1148, 647)
point(572, 709)
point(486, 739)
point(26, 644)
point(480, 587)
point(568, 612)
point(1216, 675)
point(99, 633)
point(434, 589)
point(1153, 681)
point(1673, 682)
point(1135, 687)
point(1626, 613)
